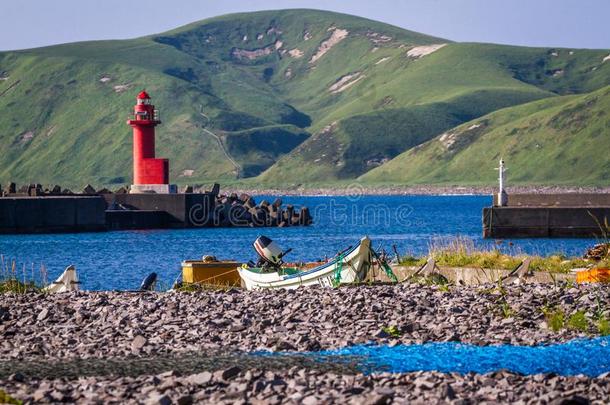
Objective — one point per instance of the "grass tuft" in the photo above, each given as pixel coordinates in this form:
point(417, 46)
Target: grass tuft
point(603, 326)
point(555, 318)
point(578, 321)
point(462, 252)
point(7, 399)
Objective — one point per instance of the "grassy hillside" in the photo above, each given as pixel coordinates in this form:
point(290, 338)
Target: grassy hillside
point(271, 98)
point(561, 140)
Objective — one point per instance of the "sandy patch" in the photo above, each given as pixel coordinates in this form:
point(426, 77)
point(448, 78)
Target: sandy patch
point(607, 58)
point(424, 50)
point(376, 161)
point(378, 38)
point(50, 131)
point(26, 137)
point(345, 82)
point(274, 30)
point(337, 36)
point(448, 139)
point(122, 87)
point(256, 53)
point(295, 53)
point(380, 61)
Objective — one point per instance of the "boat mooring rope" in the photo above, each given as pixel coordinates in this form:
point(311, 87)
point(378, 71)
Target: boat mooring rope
point(386, 267)
point(338, 270)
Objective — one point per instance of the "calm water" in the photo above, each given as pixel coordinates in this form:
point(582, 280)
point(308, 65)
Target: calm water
point(120, 260)
point(587, 356)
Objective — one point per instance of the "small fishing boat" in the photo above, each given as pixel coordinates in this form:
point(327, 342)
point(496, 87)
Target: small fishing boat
point(349, 266)
point(68, 281)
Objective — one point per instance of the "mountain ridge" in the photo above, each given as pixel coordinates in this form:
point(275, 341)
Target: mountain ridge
point(294, 96)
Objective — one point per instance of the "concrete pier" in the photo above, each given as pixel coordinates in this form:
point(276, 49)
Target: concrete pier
point(38, 212)
point(52, 214)
point(553, 215)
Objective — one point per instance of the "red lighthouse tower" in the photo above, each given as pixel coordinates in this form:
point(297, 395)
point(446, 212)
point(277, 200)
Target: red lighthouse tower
point(149, 173)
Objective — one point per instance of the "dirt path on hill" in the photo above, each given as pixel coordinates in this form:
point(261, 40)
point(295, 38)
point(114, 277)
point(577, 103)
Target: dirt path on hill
point(9, 88)
point(222, 147)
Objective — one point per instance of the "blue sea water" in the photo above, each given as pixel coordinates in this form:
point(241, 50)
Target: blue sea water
point(120, 260)
point(583, 356)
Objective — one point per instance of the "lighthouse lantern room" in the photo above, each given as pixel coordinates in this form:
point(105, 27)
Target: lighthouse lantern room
point(150, 174)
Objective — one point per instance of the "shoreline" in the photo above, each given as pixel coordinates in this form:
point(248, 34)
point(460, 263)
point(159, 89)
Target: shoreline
point(357, 189)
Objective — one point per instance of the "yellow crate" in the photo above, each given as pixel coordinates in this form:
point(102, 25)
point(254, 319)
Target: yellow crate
point(222, 273)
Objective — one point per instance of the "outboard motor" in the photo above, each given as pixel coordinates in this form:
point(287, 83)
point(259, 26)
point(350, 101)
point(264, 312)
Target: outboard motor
point(270, 254)
point(148, 284)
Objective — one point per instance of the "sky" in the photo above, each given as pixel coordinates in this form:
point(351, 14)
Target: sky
point(552, 23)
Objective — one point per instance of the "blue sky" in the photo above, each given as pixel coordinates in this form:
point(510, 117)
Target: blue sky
point(561, 23)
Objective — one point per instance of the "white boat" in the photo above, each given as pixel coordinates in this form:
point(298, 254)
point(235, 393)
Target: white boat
point(68, 281)
point(348, 267)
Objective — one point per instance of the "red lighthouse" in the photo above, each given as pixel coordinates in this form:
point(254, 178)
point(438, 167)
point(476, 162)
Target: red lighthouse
point(149, 173)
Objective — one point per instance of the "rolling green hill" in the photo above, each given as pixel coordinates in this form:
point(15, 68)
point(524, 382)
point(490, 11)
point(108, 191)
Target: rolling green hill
point(269, 98)
point(560, 140)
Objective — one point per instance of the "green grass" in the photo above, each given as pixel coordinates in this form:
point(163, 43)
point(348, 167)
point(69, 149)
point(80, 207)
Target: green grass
point(17, 286)
point(56, 109)
point(578, 321)
point(462, 252)
point(555, 319)
point(7, 399)
point(565, 133)
point(603, 326)
point(393, 331)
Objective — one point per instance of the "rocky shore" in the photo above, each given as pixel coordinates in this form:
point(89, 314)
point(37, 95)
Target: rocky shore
point(116, 325)
point(356, 189)
point(310, 387)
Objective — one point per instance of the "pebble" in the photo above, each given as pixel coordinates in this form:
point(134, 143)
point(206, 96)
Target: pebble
point(102, 325)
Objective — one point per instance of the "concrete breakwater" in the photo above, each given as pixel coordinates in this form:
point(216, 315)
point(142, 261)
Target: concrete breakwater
point(35, 210)
point(548, 215)
point(118, 325)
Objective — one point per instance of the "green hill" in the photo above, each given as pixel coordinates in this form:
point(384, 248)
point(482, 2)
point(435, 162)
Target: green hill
point(560, 140)
point(268, 98)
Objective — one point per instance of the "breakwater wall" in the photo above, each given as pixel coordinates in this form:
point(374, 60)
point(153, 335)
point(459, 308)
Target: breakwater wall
point(551, 215)
point(34, 210)
point(52, 214)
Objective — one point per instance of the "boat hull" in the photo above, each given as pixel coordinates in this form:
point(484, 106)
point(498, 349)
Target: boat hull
point(354, 266)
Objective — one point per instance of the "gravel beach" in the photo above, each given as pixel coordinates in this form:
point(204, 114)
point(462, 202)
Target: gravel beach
point(100, 326)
